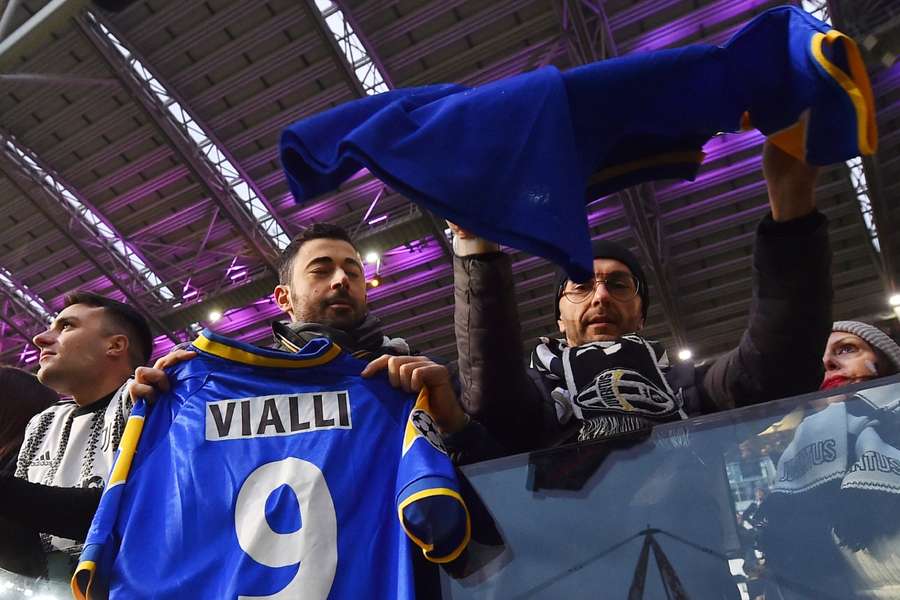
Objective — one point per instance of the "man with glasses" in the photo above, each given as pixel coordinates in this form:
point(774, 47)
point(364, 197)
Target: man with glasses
point(603, 378)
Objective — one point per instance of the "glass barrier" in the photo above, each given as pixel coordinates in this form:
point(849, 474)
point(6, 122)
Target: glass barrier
point(15, 587)
point(798, 498)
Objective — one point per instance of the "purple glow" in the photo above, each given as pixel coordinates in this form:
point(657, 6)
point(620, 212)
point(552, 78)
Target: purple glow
point(377, 220)
point(697, 21)
point(409, 282)
point(28, 355)
point(260, 311)
point(887, 78)
point(731, 143)
point(709, 178)
point(602, 213)
point(162, 345)
point(395, 262)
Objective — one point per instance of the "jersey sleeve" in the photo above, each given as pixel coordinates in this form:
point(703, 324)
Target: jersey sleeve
point(99, 548)
point(429, 505)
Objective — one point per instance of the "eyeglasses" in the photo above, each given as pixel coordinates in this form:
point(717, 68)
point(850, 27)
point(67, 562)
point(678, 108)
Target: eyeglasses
point(620, 286)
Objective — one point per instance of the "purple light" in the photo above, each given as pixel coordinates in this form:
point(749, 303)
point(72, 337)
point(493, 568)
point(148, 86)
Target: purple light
point(887, 78)
point(695, 22)
point(28, 355)
point(377, 220)
point(191, 294)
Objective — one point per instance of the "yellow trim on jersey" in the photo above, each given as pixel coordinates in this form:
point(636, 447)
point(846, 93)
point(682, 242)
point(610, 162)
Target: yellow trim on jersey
point(856, 85)
point(127, 448)
point(259, 360)
point(426, 548)
point(85, 568)
point(793, 139)
point(669, 158)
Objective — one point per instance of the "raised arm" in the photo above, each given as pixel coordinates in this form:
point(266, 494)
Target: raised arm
point(780, 353)
point(495, 386)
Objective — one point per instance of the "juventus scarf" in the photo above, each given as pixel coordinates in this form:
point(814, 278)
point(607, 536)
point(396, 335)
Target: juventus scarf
point(611, 387)
point(845, 462)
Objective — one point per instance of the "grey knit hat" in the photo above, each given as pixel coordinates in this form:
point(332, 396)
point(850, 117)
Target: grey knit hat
point(874, 337)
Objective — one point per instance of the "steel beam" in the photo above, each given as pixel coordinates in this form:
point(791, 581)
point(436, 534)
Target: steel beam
point(11, 309)
point(17, 305)
point(585, 28)
point(435, 224)
point(348, 73)
point(881, 208)
point(75, 231)
point(34, 33)
point(113, 242)
point(367, 44)
point(884, 224)
point(197, 163)
point(55, 79)
point(6, 18)
point(643, 214)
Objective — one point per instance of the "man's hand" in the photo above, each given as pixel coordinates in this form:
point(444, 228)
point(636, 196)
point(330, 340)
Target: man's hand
point(411, 373)
point(147, 380)
point(791, 184)
point(466, 243)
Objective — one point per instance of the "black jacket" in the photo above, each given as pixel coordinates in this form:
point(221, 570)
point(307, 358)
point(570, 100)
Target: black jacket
point(779, 355)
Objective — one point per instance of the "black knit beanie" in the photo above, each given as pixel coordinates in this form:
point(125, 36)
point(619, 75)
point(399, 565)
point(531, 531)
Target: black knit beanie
point(615, 251)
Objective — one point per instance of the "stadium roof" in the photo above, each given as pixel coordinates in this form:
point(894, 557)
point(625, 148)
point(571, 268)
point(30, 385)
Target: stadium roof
point(138, 159)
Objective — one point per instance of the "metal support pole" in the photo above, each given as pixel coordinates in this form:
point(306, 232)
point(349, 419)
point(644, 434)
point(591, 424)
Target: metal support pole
point(36, 31)
point(7, 17)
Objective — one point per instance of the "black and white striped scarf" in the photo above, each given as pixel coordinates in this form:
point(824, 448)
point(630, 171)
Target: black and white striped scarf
point(612, 387)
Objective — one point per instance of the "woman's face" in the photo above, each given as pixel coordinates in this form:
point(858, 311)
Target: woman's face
point(848, 359)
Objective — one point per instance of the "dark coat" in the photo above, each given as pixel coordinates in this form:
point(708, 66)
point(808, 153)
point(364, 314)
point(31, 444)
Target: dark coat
point(779, 355)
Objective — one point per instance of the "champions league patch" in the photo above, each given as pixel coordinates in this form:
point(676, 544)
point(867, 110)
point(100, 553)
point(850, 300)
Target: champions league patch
point(425, 426)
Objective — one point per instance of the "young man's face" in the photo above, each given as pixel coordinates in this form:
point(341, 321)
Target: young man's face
point(328, 285)
point(848, 359)
point(74, 349)
point(600, 316)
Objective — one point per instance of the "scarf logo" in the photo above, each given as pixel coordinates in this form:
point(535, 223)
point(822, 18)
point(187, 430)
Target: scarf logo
point(811, 455)
point(625, 391)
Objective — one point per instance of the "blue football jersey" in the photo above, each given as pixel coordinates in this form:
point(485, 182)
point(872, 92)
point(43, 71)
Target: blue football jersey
point(264, 474)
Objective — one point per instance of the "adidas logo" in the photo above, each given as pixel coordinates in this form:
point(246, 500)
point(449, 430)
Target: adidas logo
point(42, 461)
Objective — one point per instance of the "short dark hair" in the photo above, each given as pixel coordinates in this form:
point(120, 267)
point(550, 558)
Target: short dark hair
point(317, 231)
point(124, 319)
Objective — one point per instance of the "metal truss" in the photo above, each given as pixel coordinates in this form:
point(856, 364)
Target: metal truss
point(643, 215)
point(226, 182)
point(363, 70)
point(368, 70)
point(34, 33)
point(862, 18)
point(585, 29)
point(21, 310)
point(80, 208)
point(107, 261)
